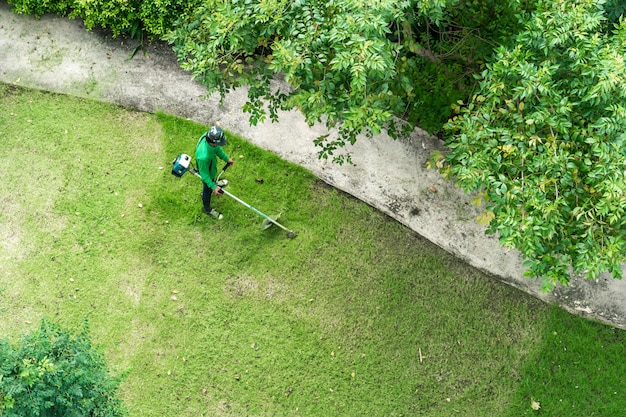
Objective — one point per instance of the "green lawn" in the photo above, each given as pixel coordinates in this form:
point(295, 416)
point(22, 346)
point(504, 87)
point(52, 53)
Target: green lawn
point(355, 316)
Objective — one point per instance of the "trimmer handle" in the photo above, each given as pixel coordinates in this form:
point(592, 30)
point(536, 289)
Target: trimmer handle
point(223, 169)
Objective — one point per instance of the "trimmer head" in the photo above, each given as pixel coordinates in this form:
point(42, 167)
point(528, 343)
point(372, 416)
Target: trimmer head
point(267, 223)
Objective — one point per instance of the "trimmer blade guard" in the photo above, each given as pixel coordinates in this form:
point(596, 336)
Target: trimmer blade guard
point(268, 223)
point(181, 165)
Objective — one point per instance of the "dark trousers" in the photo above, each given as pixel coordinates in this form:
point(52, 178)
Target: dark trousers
point(206, 197)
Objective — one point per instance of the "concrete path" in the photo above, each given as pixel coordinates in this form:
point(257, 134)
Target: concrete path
point(57, 54)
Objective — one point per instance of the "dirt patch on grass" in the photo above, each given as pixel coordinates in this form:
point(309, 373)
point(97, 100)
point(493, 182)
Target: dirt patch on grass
point(244, 285)
point(16, 221)
point(132, 292)
point(10, 240)
point(240, 286)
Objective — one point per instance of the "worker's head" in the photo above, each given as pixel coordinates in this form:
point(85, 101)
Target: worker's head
point(216, 136)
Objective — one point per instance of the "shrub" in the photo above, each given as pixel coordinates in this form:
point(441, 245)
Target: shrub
point(117, 15)
point(40, 7)
point(133, 17)
point(52, 372)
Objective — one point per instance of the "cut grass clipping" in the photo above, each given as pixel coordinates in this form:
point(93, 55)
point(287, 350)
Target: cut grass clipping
point(357, 316)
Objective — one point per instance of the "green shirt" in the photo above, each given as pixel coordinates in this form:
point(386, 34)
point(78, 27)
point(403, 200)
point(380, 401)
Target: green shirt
point(206, 158)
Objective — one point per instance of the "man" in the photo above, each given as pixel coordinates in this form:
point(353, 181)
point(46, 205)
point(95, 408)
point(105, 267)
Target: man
point(208, 149)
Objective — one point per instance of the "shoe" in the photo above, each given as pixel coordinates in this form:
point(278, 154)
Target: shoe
point(222, 183)
point(215, 213)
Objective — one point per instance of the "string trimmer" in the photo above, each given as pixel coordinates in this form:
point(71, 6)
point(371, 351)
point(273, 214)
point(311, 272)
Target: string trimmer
point(182, 164)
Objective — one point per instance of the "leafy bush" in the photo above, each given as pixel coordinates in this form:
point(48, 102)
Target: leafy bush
point(51, 372)
point(133, 17)
point(158, 16)
point(154, 17)
point(117, 15)
point(40, 7)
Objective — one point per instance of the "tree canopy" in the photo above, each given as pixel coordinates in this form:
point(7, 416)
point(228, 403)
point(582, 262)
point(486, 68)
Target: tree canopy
point(544, 138)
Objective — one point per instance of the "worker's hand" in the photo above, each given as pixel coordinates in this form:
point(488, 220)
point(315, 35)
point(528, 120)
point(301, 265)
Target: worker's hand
point(230, 162)
point(218, 191)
